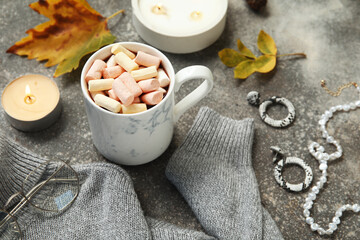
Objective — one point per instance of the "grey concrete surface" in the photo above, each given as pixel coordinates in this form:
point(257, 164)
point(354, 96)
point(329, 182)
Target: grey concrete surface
point(327, 31)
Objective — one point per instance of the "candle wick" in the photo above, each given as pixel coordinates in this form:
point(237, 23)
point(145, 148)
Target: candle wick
point(159, 9)
point(196, 15)
point(29, 99)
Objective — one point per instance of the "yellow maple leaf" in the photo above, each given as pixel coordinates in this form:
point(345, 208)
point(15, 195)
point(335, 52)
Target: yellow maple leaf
point(74, 30)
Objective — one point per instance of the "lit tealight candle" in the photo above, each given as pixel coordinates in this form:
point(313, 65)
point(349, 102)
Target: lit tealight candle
point(180, 26)
point(159, 9)
point(31, 102)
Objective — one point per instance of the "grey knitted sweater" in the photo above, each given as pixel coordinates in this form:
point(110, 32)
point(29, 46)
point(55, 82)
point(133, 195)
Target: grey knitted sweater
point(212, 169)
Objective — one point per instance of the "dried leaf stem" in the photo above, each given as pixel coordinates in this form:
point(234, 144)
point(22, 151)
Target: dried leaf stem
point(292, 54)
point(118, 12)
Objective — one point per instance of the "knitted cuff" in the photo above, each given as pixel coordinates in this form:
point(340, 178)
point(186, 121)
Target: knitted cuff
point(16, 163)
point(216, 135)
point(163, 230)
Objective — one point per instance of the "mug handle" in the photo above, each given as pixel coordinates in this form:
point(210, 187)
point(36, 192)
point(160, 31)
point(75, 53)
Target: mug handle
point(190, 73)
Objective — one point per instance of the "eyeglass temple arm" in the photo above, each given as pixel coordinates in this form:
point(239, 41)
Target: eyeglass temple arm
point(30, 194)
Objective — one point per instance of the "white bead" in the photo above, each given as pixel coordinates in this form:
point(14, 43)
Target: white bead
point(332, 226)
point(321, 149)
point(338, 213)
point(319, 184)
point(352, 106)
point(323, 179)
point(323, 162)
point(328, 114)
point(323, 166)
point(333, 156)
point(330, 139)
point(337, 154)
point(338, 107)
point(329, 232)
point(321, 231)
point(348, 207)
point(342, 208)
point(308, 205)
point(332, 109)
point(336, 220)
point(309, 220)
point(312, 196)
point(318, 155)
point(346, 107)
point(325, 134)
point(356, 208)
point(357, 103)
point(314, 226)
point(315, 190)
point(322, 122)
point(306, 213)
point(325, 157)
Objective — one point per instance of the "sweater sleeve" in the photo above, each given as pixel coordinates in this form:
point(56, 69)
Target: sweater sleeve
point(213, 171)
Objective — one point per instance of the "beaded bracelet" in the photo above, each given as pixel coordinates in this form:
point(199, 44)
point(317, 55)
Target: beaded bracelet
point(317, 151)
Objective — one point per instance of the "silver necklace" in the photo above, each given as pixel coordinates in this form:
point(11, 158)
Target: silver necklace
point(317, 151)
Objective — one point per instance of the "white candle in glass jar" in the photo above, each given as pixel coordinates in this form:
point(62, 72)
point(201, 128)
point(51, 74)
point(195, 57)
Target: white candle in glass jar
point(180, 26)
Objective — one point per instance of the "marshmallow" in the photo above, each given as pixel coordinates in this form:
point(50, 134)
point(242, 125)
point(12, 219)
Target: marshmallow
point(152, 98)
point(93, 94)
point(131, 84)
point(95, 70)
point(122, 92)
point(113, 95)
point(111, 62)
point(163, 78)
point(147, 59)
point(137, 100)
point(118, 48)
point(145, 73)
point(107, 103)
point(124, 61)
point(160, 89)
point(112, 72)
point(149, 85)
point(100, 84)
point(134, 108)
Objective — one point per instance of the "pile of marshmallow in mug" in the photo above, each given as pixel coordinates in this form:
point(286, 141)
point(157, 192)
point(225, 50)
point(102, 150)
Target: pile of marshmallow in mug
point(127, 83)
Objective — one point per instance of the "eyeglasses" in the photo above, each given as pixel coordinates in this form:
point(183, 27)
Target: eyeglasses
point(57, 188)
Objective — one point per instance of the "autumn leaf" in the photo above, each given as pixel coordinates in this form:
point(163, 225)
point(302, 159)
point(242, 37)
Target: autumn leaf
point(231, 57)
point(244, 50)
point(265, 63)
point(244, 69)
point(266, 44)
point(246, 63)
point(75, 29)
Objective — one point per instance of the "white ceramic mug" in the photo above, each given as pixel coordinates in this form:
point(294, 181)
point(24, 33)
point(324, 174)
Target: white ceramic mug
point(133, 139)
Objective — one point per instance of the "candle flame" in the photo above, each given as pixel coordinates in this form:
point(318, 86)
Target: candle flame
point(196, 15)
point(27, 90)
point(159, 9)
point(29, 98)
